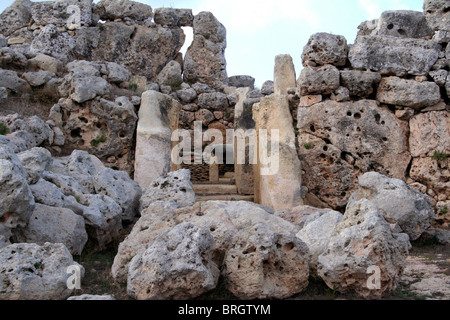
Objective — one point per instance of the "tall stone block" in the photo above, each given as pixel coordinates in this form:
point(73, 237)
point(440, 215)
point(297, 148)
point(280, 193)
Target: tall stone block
point(158, 118)
point(277, 181)
point(284, 74)
point(243, 145)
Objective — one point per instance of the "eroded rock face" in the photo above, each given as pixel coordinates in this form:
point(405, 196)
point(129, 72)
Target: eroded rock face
point(32, 272)
point(325, 48)
point(403, 24)
point(364, 240)
point(397, 202)
point(16, 16)
point(113, 9)
point(205, 59)
point(408, 93)
point(54, 43)
point(56, 225)
point(437, 14)
point(173, 17)
point(355, 137)
point(17, 202)
point(177, 265)
point(391, 55)
point(321, 80)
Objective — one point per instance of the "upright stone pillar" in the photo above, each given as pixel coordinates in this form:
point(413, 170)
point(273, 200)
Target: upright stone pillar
point(244, 144)
point(277, 174)
point(284, 74)
point(158, 118)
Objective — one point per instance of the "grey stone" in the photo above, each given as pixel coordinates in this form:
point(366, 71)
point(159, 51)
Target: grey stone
point(241, 82)
point(36, 79)
point(61, 13)
point(187, 95)
point(46, 63)
point(205, 59)
point(56, 225)
point(87, 88)
point(174, 186)
point(397, 202)
point(172, 17)
point(267, 88)
point(177, 265)
point(170, 75)
point(10, 80)
point(214, 101)
point(325, 48)
point(283, 74)
point(17, 202)
point(439, 76)
point(3, 41)
point(15, 17)
point(391, 55)
point(437, 14)
point(360, 83)
point(364, 240)
point(121, 188)
point(35, 161)
point(322, 80)
point(120, 9)
point(403, 24)
point(32, 272)
point(53, 43)
point(408, 93)
point(117, 73)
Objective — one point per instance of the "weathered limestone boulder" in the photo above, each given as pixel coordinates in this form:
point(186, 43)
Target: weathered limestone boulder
point(266, 262)
point(39, 78)
point(61, 13)
point(241, 82)
point(278, 173)
point(17, 202)
point(187, 95)
point(55, 225)
point(158, 117)
point(119, 186)
point(267, 88)
point(403, 24)
point(32, 272)
point(143, 50)
point(120, 9)
point(53, 43)
point(408, 93)
point(205, 116)
point(394, 56)
point(429, 132)
point(301, 216)
point(170, 75)
point(284, 74)
point(324, 48)
point(364, 243)
point(317, 233)
point(177, 265)
point(172, 17)
point(102, 127)
point(35, 161)
point(46, 63)
point(117, 73)
point(214, 101)
point(360, 83)
point(175, 186)
point(439, 76)
point(87, 88)
point(437, 14)
point(15, 17)
point(397, 202)
point(10, 80)
point(321, 80)
point(339, 141)
point(205, 59)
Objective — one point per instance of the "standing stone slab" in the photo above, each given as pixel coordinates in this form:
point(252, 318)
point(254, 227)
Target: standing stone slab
point(284, 74)
point(277, 181)
point(158, 117)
